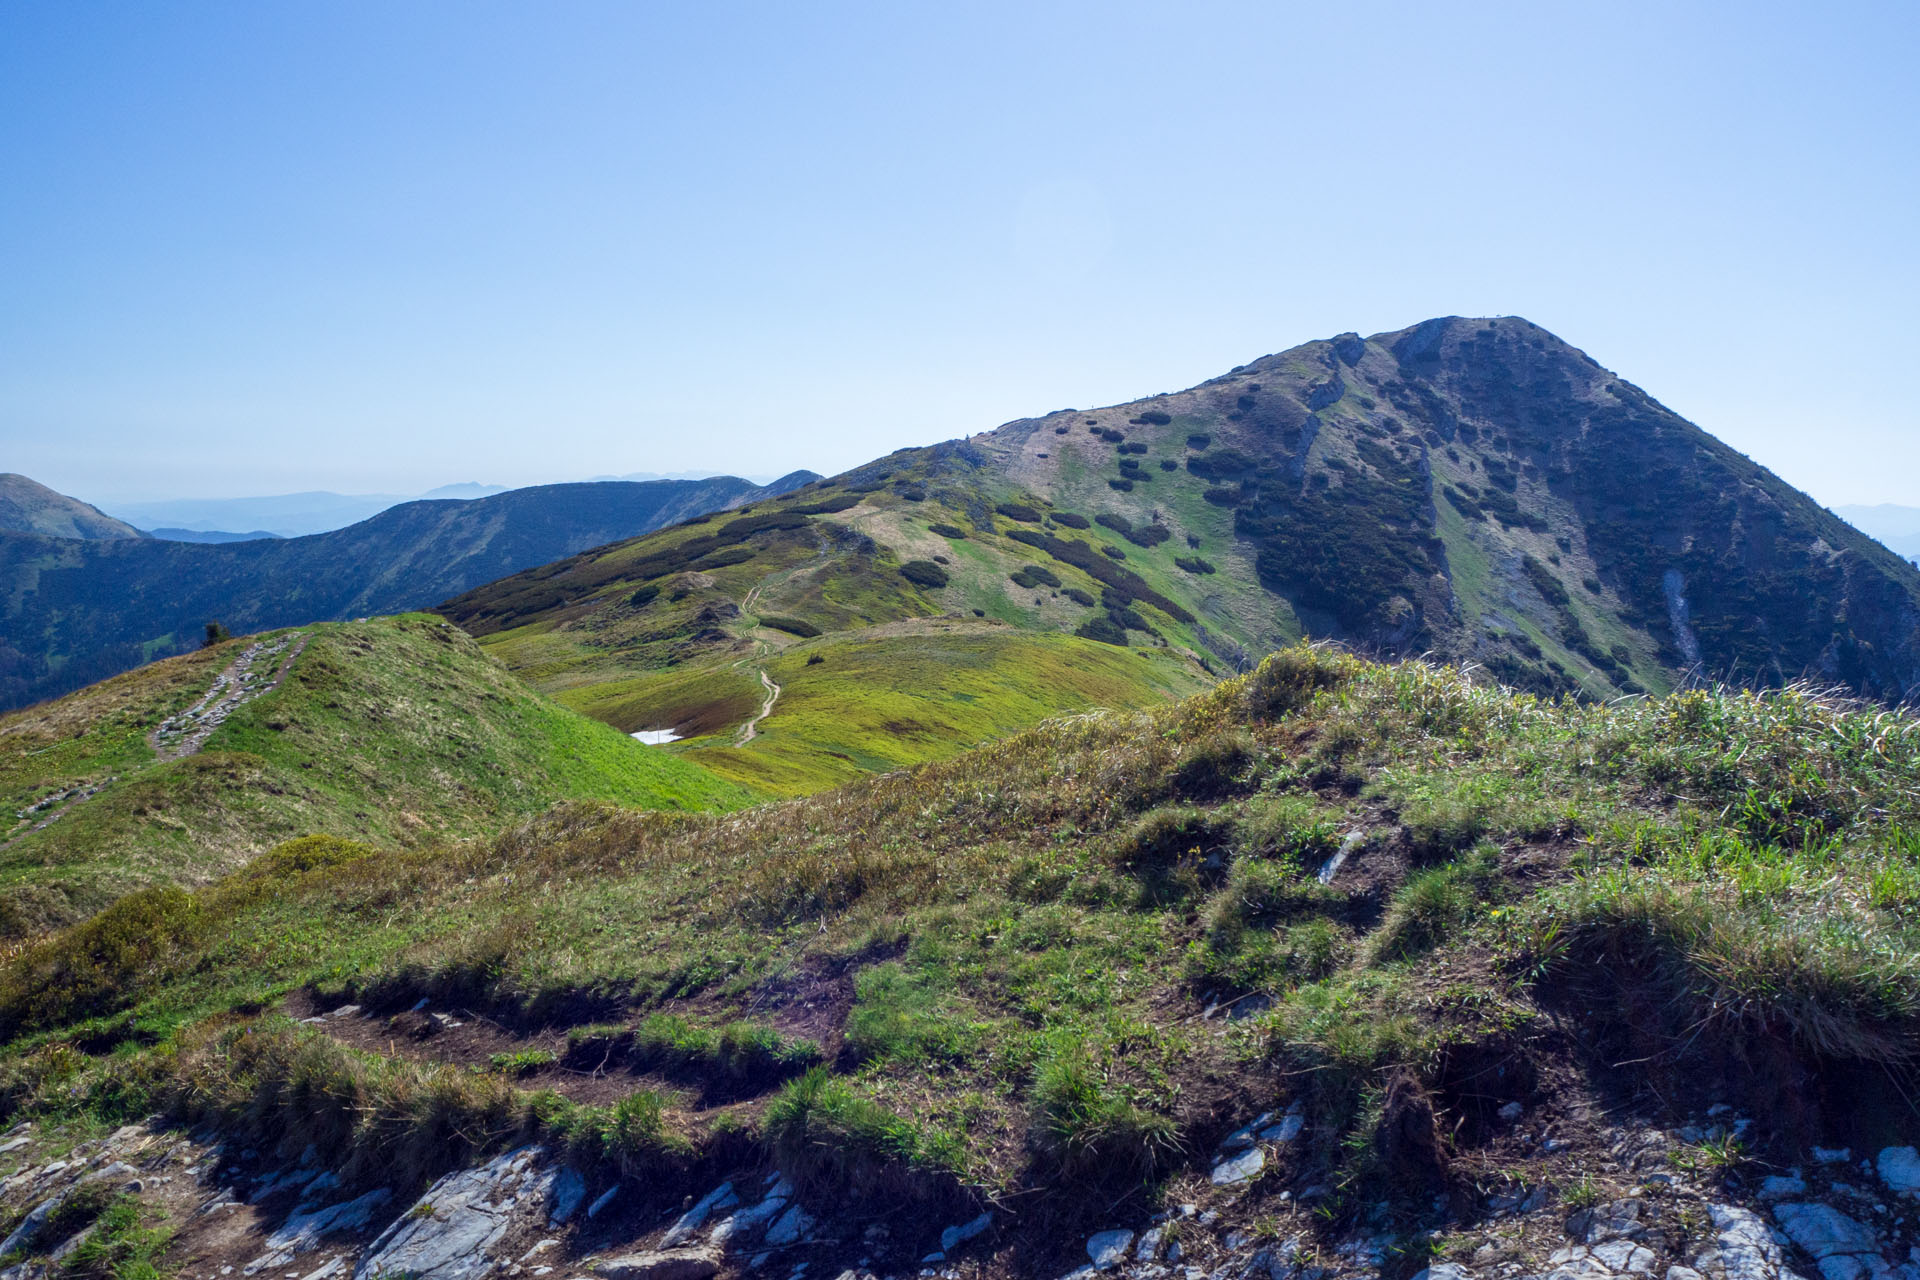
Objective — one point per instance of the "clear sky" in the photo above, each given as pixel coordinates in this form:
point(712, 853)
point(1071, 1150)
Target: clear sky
point(257, 247)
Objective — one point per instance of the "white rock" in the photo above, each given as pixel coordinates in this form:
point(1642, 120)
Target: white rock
point(790, 1228)
point(1244, 1167)
point(1832, 1155)
point(1108, 1249)
point(604, 1199)
point(1823, 1230)
point(953, 1237)
point(1511, 1112)
point(1781, 1186)
point(721, 1197)
point(1683, 1273)
point(1148, 1250)
point(301, 1233)
point(1286, 1131)
point(1444, 1271)
point(1746, 1248)
point(1900, 1169)
point(1624, 1255)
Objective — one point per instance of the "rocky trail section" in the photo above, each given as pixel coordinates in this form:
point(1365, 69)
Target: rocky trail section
point(526, 1214)
point(183, 734)
point(238, 684)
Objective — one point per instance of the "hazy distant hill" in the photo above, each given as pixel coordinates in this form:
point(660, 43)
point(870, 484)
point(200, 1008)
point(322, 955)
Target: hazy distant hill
point(209, 535)
point(1475, 489)
point(75, 612)
point(286, 515)
point(1894, 526)
point(27, 506)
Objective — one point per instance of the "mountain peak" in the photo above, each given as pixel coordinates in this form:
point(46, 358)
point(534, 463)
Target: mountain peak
point(27, 506)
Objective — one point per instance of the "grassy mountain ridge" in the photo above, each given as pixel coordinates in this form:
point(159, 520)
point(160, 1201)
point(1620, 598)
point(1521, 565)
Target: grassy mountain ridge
point(27, 506)
point(397, 730)
point(1476, 489)
point(1425, 896)
point(73, 612)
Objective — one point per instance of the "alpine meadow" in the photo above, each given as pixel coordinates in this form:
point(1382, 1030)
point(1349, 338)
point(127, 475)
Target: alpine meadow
point(1420, 804)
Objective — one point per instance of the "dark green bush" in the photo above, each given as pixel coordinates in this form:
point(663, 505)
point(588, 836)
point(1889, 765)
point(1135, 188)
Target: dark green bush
point(645, 595)
point(1070, 520)
point(1119, 524)
point(1078, 596)
point(948, 531)
point(1148, 535)
point(1193, 564)
point(924, 573)
point(1102, 628)
point(792, 626)
point(1152, 417)
point(1019, 511)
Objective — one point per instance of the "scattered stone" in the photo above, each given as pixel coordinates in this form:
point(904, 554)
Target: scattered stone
point(1823, 1230)
point(1241, 1139)
point(604, 1199)
point(1780, 1186)
point(1108, 1249)
point(790, 1228)
point(1832, 1155)
point(29, 1227)
point(1287, 1130)
point(1624, 1256)
point(1900, 1170)
point(451, 1230)
point(1746, 1249)
point(1615, 1221)
point(748, 1222)
point(721, 1197)
point(676, 1264)
point(1444, 1271)
point(953, 1237)
point(563, 1199)
point(1148, 1249)
point(302, 1232)
point(1244, 1167)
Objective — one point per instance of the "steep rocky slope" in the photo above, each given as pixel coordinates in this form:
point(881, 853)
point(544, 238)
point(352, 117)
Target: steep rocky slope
point(1475, 489)
point(73, 612)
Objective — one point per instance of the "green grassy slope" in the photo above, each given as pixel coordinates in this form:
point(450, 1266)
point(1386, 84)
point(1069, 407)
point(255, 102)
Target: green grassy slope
point(814, 591)
point(1008, 958)
point(398, 730)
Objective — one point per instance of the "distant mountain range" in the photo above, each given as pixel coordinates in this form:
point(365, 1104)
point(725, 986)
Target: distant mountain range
point(75, 610)
point(1895, 526)
point(294, 515)
point(286, 515)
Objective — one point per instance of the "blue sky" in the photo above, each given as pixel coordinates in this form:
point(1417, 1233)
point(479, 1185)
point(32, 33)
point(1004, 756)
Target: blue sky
point(251, 248)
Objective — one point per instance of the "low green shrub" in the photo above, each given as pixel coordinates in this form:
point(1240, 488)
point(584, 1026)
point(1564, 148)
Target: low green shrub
point(792, 626)
point(1433, 904)
point(836, 1145)
point(1092, 1131)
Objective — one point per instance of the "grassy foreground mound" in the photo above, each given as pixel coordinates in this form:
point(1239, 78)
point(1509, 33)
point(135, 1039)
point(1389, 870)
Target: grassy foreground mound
point(396, 730)
point(1056, 971)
